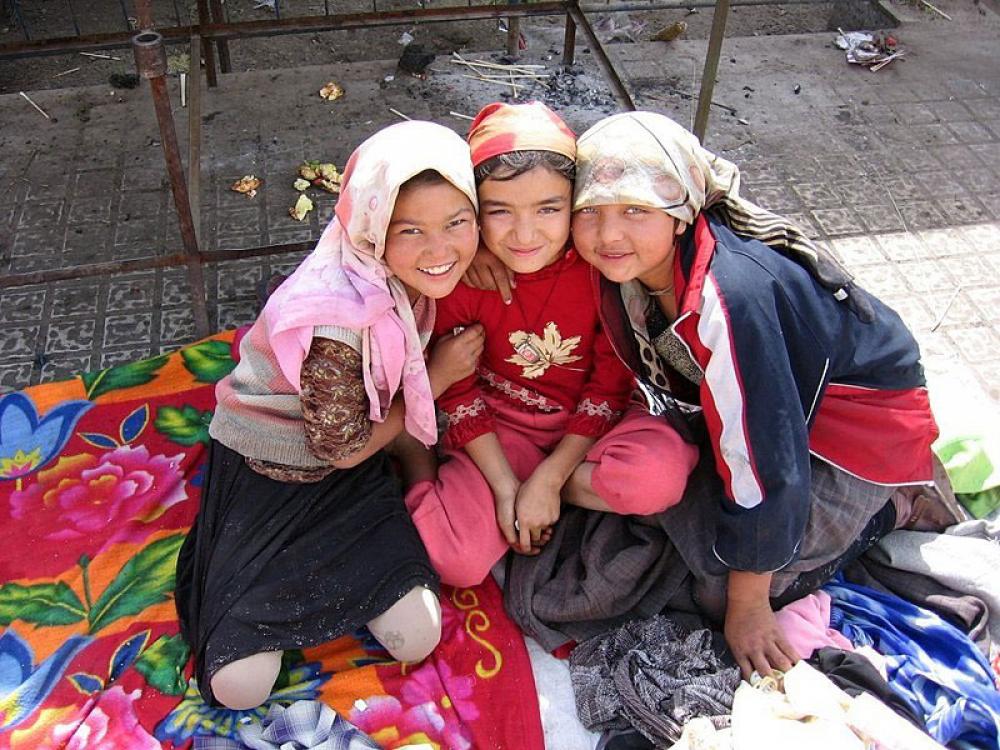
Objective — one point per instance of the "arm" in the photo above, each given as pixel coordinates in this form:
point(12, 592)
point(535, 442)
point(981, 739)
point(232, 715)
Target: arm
point(487, 453)
point(752, 631)
point(487, 272)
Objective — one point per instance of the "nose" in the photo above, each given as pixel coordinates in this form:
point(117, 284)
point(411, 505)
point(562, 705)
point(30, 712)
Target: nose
point(609, 229)
point(524, 230)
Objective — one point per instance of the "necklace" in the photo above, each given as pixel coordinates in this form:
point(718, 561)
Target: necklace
point(527, 350)
point(660, 292)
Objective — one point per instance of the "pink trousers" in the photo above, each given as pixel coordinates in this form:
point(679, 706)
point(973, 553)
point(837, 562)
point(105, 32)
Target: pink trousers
point(641, 467)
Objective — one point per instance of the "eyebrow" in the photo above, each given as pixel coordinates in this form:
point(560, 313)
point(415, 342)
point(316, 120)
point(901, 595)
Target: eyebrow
point(415, 222)
point(546, 202)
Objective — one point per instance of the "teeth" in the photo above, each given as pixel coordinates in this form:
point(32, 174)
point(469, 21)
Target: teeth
point(438, 270)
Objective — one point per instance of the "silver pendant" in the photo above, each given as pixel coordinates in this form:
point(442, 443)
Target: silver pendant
point(528, 352)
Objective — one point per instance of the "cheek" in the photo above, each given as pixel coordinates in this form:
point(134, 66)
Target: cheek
point(399, 257)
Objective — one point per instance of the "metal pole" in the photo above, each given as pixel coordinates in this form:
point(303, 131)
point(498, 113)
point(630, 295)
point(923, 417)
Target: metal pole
point(569, 42)
point(223, 45)
point(607, 67)
point(513, 34)
point(194, 134)
point(207, 52)
point(719, 18)
point(151, 62)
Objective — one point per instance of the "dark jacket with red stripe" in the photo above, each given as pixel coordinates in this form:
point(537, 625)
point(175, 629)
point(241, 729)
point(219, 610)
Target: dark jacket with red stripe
point(789, 372)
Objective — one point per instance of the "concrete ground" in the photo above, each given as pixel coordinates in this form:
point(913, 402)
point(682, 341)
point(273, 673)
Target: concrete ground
point(899, 171)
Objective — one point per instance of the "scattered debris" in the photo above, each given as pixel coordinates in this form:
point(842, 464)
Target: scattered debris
point(331, 91)
point(399, 114)
point(184, 89)
point(742, 121)
point(32, 103)
point(460, 116)
point(415, 60)
point(271, 5)
point(100, 56)
point(501, 73)
point(65, 72)
point(322, 175)
point(301, 184)
point(692, 11)
point(947, 307)
point(301, 208)
point(569, 87)
point(935, 9)
point(629, 32)
point(866, 48)
point(247, 184)
point(405, 38)
point(671, 32)
point(798, 89)
point(124, 80)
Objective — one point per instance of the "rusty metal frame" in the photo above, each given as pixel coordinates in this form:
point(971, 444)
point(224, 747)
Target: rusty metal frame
point(150, 55)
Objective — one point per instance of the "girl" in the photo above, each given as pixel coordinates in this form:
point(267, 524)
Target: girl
point(302, 534)
point(540, 422)
point(811, 389)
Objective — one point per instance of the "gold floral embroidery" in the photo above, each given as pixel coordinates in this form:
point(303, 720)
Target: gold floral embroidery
point(535, 354)
point(477, 620)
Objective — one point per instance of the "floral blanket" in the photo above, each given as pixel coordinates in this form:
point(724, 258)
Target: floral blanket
point(99, 481)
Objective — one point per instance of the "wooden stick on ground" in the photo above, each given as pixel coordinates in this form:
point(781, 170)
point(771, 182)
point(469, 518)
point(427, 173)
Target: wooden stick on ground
point(935, 9)
point(399, 114)
point(32, 103)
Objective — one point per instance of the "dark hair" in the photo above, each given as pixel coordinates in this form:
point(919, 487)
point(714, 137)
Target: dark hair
point(427, 177)
point(515, 163)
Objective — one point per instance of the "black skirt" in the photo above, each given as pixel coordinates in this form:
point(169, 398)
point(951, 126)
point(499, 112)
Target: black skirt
point(271, 566)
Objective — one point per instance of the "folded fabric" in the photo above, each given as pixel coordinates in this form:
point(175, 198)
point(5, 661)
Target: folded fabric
point(653, 676)
point(932, 664)
point(806, 625)
point(966, 563)
point(304, 725)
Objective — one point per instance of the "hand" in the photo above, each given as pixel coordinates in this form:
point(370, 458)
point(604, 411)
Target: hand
point(504, 499)
point(537, 508)
point(455, 356)
point(756, 639)
point(488, 272)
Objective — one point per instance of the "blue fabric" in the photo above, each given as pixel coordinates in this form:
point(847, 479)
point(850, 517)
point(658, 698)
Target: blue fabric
point(932, 664)
point(305, 725)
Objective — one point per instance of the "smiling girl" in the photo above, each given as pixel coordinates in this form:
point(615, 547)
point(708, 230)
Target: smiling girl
point(545, 419)
point(302, 535)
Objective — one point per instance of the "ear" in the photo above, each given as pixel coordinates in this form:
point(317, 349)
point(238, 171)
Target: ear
point(680, 227)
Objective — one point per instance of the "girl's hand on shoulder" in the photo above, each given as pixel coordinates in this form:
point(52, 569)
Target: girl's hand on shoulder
point(455, 357)
point(487, 272)
point(537, 509)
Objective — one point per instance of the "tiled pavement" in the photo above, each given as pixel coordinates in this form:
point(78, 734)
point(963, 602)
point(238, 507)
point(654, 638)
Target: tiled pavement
point(899, 171)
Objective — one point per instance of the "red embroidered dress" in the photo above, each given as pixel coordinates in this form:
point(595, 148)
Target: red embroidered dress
point(545, 352)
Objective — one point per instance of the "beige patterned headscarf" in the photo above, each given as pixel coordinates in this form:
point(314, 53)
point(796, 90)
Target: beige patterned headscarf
point(647, 159)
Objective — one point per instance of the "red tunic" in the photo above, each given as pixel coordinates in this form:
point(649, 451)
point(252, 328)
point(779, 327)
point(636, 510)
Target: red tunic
point(545, 352)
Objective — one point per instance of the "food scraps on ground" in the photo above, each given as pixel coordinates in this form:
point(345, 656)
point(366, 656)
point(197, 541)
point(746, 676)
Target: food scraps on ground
point(301, 208)
point(321, 174)
point(331, 91)
point(247, 184)
point(301, 184)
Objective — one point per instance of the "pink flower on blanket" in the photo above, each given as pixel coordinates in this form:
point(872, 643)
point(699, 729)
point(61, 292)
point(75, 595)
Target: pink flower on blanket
point(114, 496)
point(436, 683)
point(110, 725)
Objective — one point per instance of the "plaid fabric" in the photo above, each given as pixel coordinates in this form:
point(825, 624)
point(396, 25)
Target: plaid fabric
point(305, 725)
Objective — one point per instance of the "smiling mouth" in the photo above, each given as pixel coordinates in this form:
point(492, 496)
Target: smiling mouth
point(438, 270)
point(525, 251)
point(613, 256)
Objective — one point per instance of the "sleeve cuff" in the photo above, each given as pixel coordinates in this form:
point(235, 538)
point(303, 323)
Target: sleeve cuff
point(466, 422)
point(592, 419)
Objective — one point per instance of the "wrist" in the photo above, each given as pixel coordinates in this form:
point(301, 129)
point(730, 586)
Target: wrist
point(747, 588)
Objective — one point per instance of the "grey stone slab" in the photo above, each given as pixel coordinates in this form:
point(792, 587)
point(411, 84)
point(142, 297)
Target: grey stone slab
point(922, 215)
point(817, 195)
point(63, 368)
point(18, 342)
point(240, 221)
point(22, 305)
point(989, 375)
point(133, 328)
point(41, 213)
point(992, 204)
point(47, 241)
point(913, 113)
point(970, 270)
point(976, 343)
point(962, 210)
point(950, 111)
point(984, 110)
point(93, 183)
point(903, 246)
point(939, 184)
point(957, 157)
point(882, 281)
point(934, 134)
point(92, 209)
point(954, 310)
point(837, 221)
point(139, 231)
point(857, 252)
point(131, 293)
point(75, 299)
point(238, 242)
point(87, 243)
point(70, 336)
point(239, 279)
point(925, 276)
point(942, 243)
point(972, 132)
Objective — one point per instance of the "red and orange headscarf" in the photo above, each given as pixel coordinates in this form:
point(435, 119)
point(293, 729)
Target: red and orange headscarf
point(501, 128)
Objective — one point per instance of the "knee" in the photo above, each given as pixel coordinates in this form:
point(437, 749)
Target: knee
point(247, 683)
point(411, 628)
point(464, 570)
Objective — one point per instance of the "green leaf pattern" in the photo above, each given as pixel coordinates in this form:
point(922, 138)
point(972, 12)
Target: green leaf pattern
point(209, 361)
point(40, 604)
point(123, 376)
point(162, 664)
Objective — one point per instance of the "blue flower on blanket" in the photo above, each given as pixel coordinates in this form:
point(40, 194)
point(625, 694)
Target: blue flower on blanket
point(130, 429)
point(23, 686)
point(193, 716)
point(27, 442)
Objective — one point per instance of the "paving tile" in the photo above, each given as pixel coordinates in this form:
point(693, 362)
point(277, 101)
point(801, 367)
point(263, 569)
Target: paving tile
point(14, 376)
point(976, 344)
point(96, 182)
point(857, 252)
point(941, 243)
point(18, 342)
point(953, 308)
point(239, 279)
point(115, 357)
point(41, 213)
point(914, 159)
point(979, 179)
point(940, 184)
point(838, 221)
point(903, 246)
point(140, 230)
point(989, 375)
point(20, 305)
point(882, 281)
point(63, 368)
point(913, 113)
point(244, 221)
point(962, 210)
point(131, 293)
point(971, 132)
point(97, 208)
point(880, 218)
point(817, 196)
point(235, 314)
point(87, 243)
point(950, 111)
point(957, 158)
point(905, 188)
point(926, 275)
point(967, 88)
point(75, 299)
point(984, 109)
point(992, 204)
point(70, 336)
point(983, 238)
point(988, 153)
point(913, 311)
point(47, 241)
point(133, 328)
point(922, 215)
point(177, 326)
